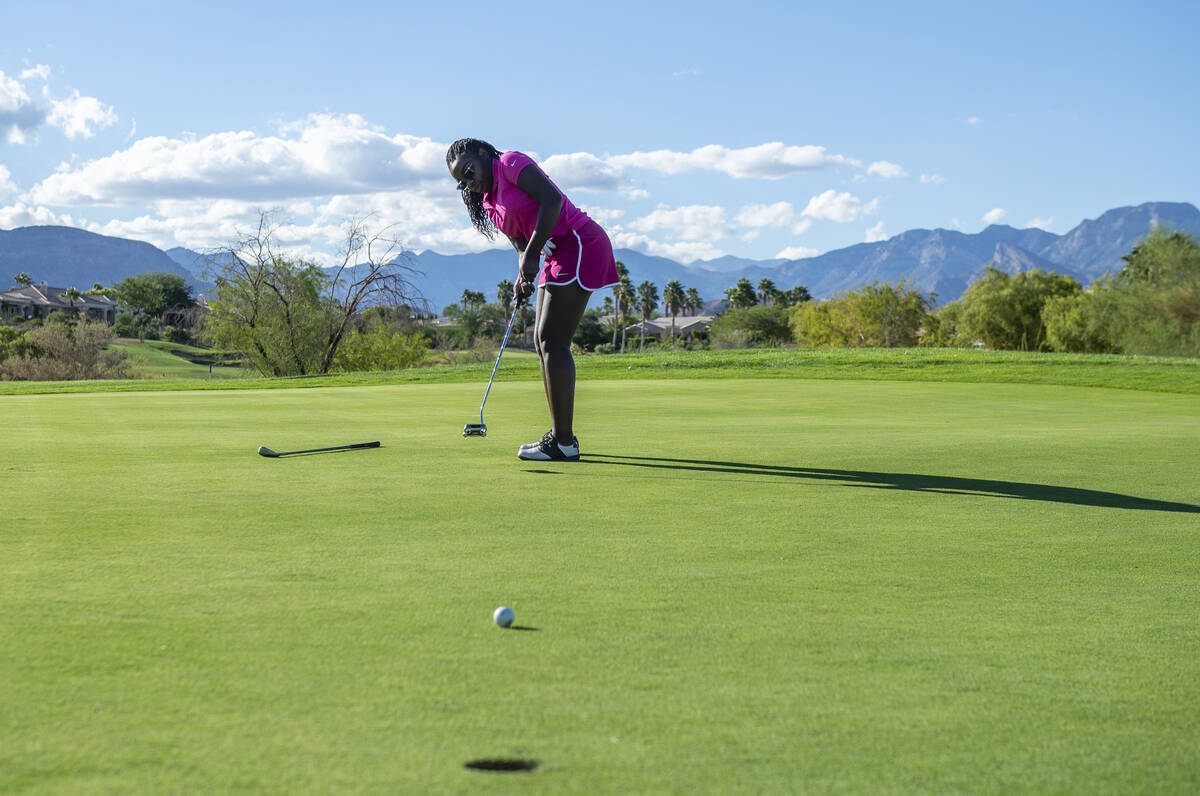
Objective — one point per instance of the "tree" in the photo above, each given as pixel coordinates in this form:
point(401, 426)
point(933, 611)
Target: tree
point(618, 292)
point(875, 316)
point(1164, 258)
point(71, 295)
point(694, 302)
point(289, 316)
point(623, 293)
point(647, 296)
point(504, 295)
point(154, 293)
point(1152, 306)
point(1005, 310)
point(741, 295)
point(23, 279)
point(472, 299)
point(673, 298)
point(766, 291)
point(759, 325)
point(797, 295)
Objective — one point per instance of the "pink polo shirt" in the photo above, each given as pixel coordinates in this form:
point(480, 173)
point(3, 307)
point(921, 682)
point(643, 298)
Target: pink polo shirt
point(513, 211)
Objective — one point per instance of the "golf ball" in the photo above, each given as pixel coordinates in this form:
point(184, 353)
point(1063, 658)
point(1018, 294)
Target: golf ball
point(503, 616)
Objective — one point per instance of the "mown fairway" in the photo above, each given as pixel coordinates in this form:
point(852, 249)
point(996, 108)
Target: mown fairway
point(747, 586)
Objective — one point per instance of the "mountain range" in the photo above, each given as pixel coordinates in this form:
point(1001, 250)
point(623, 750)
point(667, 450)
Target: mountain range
point(940, 261)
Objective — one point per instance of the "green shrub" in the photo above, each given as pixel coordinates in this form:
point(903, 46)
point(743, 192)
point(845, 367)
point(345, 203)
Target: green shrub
point(62, 352)
point(381, 349)
point(764, 325)
point(179, 335)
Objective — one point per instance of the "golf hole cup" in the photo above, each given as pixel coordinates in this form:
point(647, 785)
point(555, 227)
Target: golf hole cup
point(503, 616)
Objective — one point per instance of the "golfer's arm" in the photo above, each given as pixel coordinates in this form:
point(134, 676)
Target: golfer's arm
point(549, 200)
point(518, 243)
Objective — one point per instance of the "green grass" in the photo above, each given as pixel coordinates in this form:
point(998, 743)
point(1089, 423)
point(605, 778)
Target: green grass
point(1157, 374)
point(158, 359)
point(749, 585)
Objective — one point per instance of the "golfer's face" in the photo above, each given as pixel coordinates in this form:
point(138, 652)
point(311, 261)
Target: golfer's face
point(472, 172)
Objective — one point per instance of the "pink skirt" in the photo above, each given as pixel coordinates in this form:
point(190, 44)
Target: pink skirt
point(584, 256)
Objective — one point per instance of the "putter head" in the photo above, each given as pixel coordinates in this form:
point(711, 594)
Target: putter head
point(474, 430)
point(265, 451)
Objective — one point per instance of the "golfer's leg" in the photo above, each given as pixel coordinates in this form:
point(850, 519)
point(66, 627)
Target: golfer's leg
point(539, 312)
point(559, 313)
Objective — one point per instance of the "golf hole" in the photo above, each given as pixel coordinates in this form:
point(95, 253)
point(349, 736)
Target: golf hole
point(502, 764)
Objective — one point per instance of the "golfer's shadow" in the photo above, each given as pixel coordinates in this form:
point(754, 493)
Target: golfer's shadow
point(913, 482)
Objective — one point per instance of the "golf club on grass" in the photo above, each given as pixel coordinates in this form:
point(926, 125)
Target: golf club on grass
point(270, 454)
point(479, 429)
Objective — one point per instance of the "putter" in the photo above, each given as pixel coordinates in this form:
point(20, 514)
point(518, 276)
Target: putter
point(479, 429)
point(270, 454)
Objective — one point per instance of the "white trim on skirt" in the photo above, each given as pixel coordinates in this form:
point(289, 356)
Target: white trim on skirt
point(578, 267)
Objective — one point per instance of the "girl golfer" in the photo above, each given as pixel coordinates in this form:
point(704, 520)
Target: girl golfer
point(507, 191)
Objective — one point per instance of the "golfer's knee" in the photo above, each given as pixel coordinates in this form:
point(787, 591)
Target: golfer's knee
point(553, 347)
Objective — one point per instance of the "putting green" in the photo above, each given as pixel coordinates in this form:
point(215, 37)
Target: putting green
point(746, 586)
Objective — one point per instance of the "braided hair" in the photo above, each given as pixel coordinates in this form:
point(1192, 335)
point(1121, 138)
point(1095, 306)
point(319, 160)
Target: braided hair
point(474, 201)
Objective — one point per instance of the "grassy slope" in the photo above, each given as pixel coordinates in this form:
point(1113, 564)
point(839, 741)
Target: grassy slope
point(764, 585)
point(155, 359)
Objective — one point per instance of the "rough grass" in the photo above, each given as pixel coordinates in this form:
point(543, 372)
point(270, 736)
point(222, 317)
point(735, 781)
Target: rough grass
point(1156, 374)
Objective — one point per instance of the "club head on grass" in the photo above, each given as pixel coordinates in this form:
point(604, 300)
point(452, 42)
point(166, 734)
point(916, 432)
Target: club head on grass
point(474, 430)
point(265, 451)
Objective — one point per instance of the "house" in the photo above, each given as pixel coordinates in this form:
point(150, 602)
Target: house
point(38, 301)
point(660, 328)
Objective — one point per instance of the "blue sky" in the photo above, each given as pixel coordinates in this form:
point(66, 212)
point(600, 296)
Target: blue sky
point(690, 130)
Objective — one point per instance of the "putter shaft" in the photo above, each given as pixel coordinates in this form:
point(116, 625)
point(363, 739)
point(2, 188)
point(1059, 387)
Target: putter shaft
point(270, 454)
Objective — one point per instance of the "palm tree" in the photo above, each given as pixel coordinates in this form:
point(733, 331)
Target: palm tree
point(71, 295)
point(766, 290)
point(673, 298)
point(625, 296)
point(504, 294)
point(619, 290)
point(23, 279)
point(472, 298)
point(647, 294)
point(692, 297)
point(741, 295)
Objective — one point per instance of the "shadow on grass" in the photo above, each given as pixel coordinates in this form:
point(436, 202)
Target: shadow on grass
point(938, 484)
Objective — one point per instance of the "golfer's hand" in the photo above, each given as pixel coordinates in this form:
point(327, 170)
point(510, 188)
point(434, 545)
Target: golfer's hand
point(522, 289)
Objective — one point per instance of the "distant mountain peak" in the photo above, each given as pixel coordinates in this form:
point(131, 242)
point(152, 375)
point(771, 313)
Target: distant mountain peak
point(937, 260)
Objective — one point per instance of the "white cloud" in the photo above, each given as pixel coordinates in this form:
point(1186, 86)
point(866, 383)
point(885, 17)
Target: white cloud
point(7, 189)
point(802, 226)
point(1041, 223)
point(797, 253)
point(779, 214)
point(935, 179)
point(881, 168)
point(995, 215)
point(18, 115)
point(684, 251)
point(839, 207)
point(41, 71)
point(22, 215)
point(322, 156)
point(974, 120)
point(876, 233)
point(603, 215)
point(690, 223)
point(771, 161)
point(582, 171)
point(77, 116)
point(687, 73)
